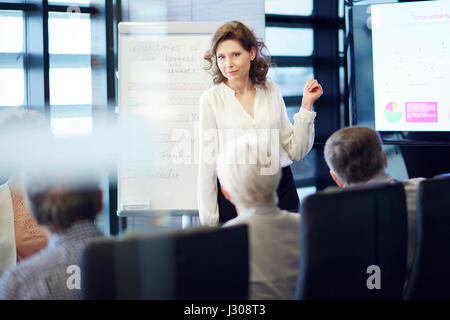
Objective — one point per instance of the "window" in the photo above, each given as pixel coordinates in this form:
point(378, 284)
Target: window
point(12, 78)
point(56, 78)
point(291, 79)
point(303, 42)
point(300, 43)
point(292, 7)
point(79, 2)
point(70, 73)
point(290, 49)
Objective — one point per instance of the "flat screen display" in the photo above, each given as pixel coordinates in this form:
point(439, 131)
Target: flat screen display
point(411, 66)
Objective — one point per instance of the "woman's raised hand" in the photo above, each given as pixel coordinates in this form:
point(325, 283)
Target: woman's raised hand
point(311, 92)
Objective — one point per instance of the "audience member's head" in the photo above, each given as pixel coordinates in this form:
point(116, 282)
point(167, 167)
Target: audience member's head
point(243, 178)
point(66, 204)
point(354, 155)
point(58, 200)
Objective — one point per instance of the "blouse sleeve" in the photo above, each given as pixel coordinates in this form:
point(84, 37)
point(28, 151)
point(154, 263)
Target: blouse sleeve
point(207, 175)
point(298, 138)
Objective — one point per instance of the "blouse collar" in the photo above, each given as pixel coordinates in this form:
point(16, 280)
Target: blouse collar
point(231, 91)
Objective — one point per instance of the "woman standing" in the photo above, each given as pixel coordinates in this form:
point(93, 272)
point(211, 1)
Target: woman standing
point(243, 99)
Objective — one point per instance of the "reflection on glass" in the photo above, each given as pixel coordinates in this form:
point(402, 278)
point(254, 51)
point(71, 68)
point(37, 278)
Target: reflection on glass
point(289, 41)
point(289, 7)
point(291, 79)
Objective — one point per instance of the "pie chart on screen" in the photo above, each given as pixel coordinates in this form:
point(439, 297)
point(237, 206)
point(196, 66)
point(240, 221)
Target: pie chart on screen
point(392, 112)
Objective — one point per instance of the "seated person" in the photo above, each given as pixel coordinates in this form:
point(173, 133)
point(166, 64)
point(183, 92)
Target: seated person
point(355, 156)
point(67, 209)
point(20, 235)
point(273, 233)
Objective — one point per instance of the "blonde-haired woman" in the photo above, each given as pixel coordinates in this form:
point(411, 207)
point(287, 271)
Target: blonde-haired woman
point(273, 234)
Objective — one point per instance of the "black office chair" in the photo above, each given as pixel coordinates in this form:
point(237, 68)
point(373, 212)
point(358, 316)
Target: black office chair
point(346, 231)
point(197, 263)
point(430, 273)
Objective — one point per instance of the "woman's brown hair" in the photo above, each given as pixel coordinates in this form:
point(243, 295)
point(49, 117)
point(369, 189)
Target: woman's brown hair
point(236, 30)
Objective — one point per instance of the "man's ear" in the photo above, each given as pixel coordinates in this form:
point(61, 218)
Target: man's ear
point(385, 159)
point(225, 193)
point(336, 179)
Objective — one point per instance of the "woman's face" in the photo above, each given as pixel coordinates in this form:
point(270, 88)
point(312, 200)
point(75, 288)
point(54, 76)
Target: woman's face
point(233, 60)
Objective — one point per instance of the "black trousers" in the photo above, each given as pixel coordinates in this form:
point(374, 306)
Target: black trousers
point(286, 191)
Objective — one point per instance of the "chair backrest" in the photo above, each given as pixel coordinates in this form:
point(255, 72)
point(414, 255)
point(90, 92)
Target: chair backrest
point(442, 176)
point(343, 233)
point(196, 263)
point(430, 273)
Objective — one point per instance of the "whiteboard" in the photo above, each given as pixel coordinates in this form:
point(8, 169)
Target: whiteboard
point(161, 79)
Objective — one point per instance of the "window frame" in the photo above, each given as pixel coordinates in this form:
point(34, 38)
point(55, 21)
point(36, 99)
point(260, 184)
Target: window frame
point(326, 61)
point(36, 64)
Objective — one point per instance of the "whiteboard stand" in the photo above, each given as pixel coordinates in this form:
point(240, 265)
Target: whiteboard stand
point(186, 221)
point(187, 216)
point(167, 55)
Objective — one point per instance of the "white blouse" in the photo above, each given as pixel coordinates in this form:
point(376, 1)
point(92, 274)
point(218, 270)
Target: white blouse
point(221, 112)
